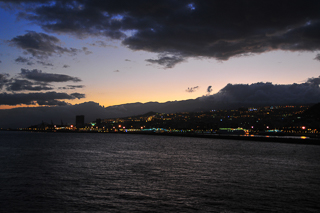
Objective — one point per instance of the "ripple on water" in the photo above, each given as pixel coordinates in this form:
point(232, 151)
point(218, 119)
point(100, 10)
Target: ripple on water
point(122, 173)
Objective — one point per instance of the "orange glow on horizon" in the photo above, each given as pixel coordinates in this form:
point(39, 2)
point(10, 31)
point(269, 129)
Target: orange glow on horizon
point(21, 106)
point(16, 106)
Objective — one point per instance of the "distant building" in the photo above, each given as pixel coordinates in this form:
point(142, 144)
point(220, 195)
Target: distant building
point(98, 122)
point(80, 121)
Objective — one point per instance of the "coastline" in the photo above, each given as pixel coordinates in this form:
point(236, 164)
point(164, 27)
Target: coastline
point(303, 140)
point(258, 138)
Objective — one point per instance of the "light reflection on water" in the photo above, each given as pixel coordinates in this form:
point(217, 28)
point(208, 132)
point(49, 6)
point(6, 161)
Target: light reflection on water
point(122, 173)
point(276, 136)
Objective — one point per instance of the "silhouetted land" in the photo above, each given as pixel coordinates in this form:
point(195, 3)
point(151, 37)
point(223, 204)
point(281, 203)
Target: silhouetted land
point(286, 124)
point(306, 140)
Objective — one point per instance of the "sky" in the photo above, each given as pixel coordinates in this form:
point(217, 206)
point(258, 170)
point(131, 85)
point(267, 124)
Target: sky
point(67, 52)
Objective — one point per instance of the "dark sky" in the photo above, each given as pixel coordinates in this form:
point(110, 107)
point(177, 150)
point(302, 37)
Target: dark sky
point(59, 53)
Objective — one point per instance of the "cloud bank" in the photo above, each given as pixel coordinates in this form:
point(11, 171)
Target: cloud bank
point(37, 98)
point(40, 45)
point(260, 94)
point(24, 85)
point(3, 79)
point(176, 30)
point(36, 80)
point(38, 75)
point(21, 59)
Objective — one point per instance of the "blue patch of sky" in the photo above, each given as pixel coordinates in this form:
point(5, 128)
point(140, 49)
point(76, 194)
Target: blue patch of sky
point(117, 17)
point(74, 5)
point(105, 14)
point(191, 6)
point(10, 27)
point(308, 23)
point(52, 3)
point(130, 32)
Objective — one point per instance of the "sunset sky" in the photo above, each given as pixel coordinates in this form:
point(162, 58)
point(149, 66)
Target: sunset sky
point(55, 53)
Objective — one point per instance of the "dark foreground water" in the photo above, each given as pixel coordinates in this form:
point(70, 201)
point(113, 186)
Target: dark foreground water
point(49, 172)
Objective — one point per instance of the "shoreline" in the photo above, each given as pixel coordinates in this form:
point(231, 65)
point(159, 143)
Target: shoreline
point(258, 138)
point(289, 139)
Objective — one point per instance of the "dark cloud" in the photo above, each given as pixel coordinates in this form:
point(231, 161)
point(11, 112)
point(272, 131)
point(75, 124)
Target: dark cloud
point(166, 61)
point(44, 63)
point(66, 66)
point(102, 44)
point(314, 81)
point(36, 98)
point(3, 79)
point(127, 60)
point(38, 75)
point(192, 89)
point(52, 103)
point(35, 80)
point(199, 28)
point(77, 95)
point(317, 57)
point(41, 45)
point(268, 94)
point(86, 51)
point(209, 89)
point(116, 71)
point(23, 85)
point(21, 59)
point(72, 87)
point(83, 19)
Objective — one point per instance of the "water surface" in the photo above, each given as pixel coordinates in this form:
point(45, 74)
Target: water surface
point(48, 172)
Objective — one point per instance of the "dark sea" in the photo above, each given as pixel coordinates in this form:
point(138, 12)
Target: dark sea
point(65, 172)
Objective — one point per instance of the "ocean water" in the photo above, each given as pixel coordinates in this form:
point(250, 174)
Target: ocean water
point(64, 172)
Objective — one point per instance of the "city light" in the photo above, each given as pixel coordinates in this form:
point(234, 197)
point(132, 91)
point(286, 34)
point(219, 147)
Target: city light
point(216, 122)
